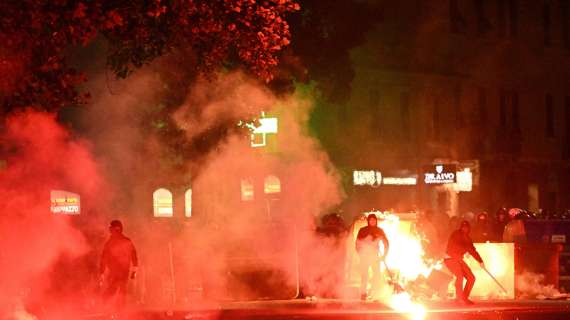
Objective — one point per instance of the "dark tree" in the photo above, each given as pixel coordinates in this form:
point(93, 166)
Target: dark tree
point(36, 35)
point(322, 36)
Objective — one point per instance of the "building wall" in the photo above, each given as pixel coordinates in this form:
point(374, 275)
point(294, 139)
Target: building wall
point(445, 80)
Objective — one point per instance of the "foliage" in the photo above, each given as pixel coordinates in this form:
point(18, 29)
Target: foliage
point(324, 33)
point(36, 36)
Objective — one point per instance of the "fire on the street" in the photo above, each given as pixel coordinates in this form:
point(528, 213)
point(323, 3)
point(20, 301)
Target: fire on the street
point(405, 261)
point(402, 302)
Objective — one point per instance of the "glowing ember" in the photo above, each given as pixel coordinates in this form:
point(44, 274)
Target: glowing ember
point(402, 302)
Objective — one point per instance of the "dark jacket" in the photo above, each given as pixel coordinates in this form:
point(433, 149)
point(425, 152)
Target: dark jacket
point(459, 244)
point(481, 232)
point(118, 255)
point(368, 240)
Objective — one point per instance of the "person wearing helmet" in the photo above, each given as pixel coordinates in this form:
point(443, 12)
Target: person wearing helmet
point(499, 224)
point(119, 255)
point(460, 243)
point(482, 228)
point(368, 248)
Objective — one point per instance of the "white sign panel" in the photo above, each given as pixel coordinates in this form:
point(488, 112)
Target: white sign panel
point(259, 135)
point(440, 174)
point(400, 181)
point(464, 180)
point(366, 178)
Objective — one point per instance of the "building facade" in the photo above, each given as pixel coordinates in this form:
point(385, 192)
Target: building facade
point(483, 84)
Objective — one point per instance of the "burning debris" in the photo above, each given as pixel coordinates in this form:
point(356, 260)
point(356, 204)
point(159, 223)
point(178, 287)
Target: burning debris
point(405, 263)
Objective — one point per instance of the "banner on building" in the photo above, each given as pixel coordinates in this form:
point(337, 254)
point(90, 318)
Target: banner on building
point(440, 174)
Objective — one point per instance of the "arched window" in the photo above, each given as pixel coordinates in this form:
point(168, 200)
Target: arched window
point(272, 185)
point(162, 203)
point(246, 190)
point(188, 203)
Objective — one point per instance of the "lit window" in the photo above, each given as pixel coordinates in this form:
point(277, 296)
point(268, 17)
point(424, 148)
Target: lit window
point(64, 202)
point(162, 203)
point(246, 190)
point(188, 203)
point(272, 185)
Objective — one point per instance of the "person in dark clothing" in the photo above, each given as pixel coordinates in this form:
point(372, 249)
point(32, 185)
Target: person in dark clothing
point(119, 255)
point(482, 228)
point(498, 227)
point(460, 243)
point(368, 248)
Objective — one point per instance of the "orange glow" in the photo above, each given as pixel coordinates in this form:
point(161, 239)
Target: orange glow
point(499, 260)
point(406, 254)
point(402, 302)
point(405, 260)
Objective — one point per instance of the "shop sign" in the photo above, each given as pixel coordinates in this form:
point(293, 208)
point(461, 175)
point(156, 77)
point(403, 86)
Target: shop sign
point(440, 174)
point(366, 178)
point(64, 202)
point(400, 181)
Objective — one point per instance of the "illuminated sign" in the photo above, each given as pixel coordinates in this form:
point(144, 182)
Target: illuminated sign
point(464, 180)
point(64, 202)
point(366, 178)
point(259, 133)
point(267, 126)
point(440, 174)
point(400, 181)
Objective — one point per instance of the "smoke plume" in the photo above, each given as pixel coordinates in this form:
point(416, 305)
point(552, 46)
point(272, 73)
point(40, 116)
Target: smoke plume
point(41, 156)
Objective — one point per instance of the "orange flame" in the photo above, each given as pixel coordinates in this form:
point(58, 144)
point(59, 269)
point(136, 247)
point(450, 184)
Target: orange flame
point(406, 259)
point(406, 254)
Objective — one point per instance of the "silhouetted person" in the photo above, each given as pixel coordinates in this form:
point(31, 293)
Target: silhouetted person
point(368, 248)
point(460, 243)
point(119, 255)
point(498, 227)
point(482, 228)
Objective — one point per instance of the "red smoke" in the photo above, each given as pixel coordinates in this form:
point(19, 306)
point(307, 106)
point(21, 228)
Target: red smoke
point(41, 155)
point(44, 257)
